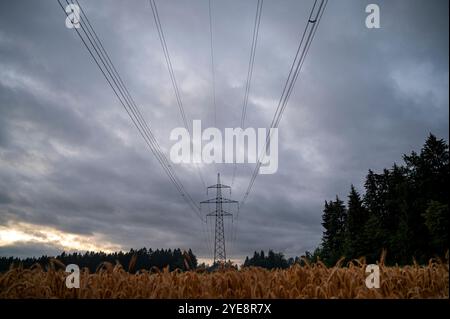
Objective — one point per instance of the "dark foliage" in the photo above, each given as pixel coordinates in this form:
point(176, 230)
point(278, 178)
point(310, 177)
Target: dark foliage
point(143, 259)
point(404, 210)
point(270, 261)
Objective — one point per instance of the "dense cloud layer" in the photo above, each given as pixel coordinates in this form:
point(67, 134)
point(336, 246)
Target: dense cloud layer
point(70, 159)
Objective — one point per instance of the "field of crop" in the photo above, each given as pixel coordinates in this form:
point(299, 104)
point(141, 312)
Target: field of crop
point(310, 281)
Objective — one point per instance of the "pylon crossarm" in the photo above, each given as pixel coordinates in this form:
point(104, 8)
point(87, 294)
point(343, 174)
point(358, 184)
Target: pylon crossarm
point(225, 214)
point(219, 186)
point(220, 200)
point(229, 201)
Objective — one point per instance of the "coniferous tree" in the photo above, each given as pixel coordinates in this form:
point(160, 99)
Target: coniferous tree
point(334, 222)
point(145, 259)
point(356, 219)
point(271, 261)
point(404, 210)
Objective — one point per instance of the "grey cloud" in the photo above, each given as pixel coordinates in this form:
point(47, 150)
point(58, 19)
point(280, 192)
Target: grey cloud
point(71, 159)
point(29, 249)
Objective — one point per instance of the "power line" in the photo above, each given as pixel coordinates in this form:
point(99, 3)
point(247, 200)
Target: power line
point(303, 48)
point(250, 70)
point(98, 47)
point(212, 64)
point(172, 76)
point(136, 109)
point(235, 228)
point(101, 59)
point(168, 61)
point(251, 62)
point(208, 234)
point(208, 242)
point(252, 59)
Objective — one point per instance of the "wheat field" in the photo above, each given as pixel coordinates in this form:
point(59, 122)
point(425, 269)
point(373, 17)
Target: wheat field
point(308, 281)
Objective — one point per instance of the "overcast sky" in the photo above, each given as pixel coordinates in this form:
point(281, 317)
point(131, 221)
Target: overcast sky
point(76, 175)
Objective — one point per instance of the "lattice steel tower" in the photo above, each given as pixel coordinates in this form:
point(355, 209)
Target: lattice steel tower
point(219, 213)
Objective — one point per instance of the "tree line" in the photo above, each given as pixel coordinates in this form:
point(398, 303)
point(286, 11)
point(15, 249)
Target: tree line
point(131, 261)
point(273, 260)
point(270, 260)
point(403, 210)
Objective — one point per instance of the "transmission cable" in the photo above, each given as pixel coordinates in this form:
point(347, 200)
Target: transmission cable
point(172, 77)
point(249, 71)
point(303, 48)
point(101, 58)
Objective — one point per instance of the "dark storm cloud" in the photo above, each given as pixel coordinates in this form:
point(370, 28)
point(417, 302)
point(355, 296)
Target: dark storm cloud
point(29, 249)
point(71, 159)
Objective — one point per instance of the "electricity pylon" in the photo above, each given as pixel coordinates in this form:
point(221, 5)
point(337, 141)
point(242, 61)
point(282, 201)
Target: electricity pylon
point(219, 213)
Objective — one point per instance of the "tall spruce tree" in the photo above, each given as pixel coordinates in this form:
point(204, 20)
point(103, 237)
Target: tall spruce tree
point(334, 222)
point(356, 219)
